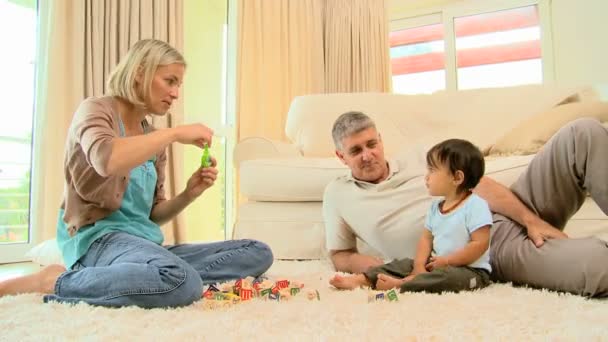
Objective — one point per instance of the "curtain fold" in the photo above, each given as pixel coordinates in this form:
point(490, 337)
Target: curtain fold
point(279, 58)
point(297, 47)
point(59, 89)
point(356, 46)
point(80, 42)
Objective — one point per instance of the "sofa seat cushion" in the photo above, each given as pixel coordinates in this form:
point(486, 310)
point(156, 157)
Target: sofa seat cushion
point(293, 230)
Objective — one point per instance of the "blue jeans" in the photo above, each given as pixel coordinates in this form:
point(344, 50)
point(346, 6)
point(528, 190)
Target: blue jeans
point(120, 269)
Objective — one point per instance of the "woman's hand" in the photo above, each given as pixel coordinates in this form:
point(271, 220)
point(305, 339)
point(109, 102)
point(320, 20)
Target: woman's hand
point(194, 134)
point(201, 180)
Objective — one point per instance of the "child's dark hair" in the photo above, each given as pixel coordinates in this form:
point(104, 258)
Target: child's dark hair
point(458, 154)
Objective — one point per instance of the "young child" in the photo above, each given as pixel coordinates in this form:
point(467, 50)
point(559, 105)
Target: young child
point(452, 253)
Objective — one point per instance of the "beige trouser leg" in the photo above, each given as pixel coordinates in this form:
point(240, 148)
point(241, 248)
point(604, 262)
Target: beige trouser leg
point(572, 163)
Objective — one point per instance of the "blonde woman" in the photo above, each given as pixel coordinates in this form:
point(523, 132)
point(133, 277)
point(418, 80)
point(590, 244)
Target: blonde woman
point(114, 201)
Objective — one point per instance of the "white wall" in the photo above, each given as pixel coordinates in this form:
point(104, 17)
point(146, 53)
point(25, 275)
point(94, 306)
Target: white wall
point(403, 6)
point(580, 44)
point(579, 30)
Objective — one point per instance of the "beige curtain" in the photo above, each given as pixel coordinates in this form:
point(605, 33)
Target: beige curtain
point(296, 47)
point(58, 91)
point(80, 42)
point(280, 56)
point(356, 46)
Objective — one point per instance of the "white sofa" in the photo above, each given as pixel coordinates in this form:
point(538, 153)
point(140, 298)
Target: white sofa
point(283, 182)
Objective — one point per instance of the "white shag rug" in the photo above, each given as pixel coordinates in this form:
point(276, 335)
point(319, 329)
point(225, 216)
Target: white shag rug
point(499, 312)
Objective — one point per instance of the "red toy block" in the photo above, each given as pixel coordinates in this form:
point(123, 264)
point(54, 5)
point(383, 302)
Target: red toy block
point(246, 294)
point(283, 284)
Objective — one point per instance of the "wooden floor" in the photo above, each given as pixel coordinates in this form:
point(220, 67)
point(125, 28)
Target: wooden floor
point(8, 271)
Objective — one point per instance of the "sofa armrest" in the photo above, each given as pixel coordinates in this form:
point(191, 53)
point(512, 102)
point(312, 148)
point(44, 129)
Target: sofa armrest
point(258, 147)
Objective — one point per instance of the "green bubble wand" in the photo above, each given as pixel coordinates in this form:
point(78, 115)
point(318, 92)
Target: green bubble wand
point(206, 157)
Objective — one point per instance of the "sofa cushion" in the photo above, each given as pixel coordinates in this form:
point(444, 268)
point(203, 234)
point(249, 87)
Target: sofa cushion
point(311, 118)
point(288, 179)
point(531, 134)
point(262, 148)
point(479, 115)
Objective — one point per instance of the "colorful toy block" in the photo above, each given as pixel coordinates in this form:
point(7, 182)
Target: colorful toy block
point(246, 294)
point(283, 284)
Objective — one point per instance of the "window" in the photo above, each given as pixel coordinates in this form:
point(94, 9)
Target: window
point(471, 47)
point(418, 59)
point(18, 35)
point(206, 89)
point(499, 48)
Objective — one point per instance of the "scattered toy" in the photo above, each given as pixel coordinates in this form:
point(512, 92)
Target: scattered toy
point(227, 294)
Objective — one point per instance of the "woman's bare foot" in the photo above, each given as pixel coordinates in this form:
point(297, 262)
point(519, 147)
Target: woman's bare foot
point(349, 282)
point(386, 282)
point(41, 282)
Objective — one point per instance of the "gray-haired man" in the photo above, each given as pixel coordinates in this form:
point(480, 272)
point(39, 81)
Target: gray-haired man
point(370, 203)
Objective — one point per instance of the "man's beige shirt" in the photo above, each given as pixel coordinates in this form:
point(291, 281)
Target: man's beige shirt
point(388, 216)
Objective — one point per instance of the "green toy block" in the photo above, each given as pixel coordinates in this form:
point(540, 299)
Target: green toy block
point(392, 296)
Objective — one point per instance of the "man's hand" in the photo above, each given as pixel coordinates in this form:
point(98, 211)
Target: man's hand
point(539, 231)
point(201, 180)
point(437, 262)
point(504, 202)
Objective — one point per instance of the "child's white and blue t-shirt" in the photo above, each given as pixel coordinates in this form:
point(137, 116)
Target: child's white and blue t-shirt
point(452, 231)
